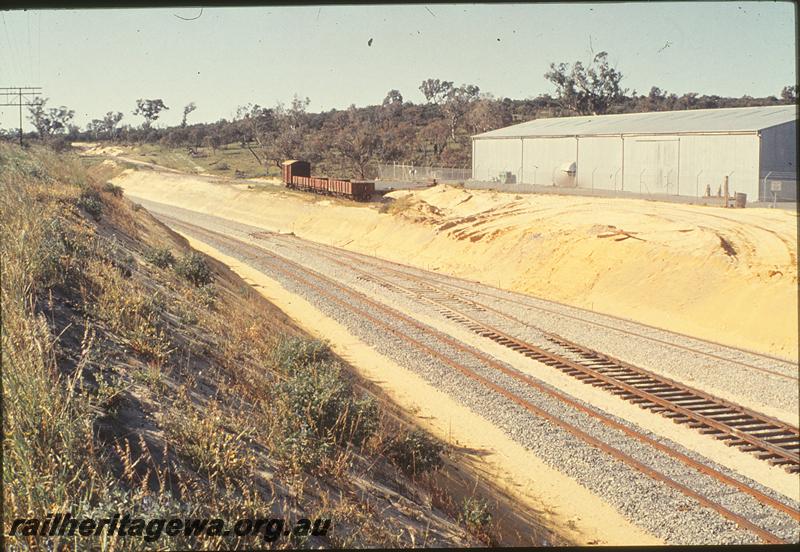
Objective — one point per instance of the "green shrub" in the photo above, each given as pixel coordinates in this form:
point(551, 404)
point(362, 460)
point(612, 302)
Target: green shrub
point(315, 405)
point(90, 202)
point(59, 144)
point(363, 419)
point(207, 295)
point(162, 257)
point(112, 189)
point(415, 453)
point(475, 514)
point(193, 267)
point(293, 353)
point(47, 257)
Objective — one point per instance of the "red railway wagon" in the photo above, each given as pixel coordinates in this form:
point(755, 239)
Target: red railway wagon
point(360, 190)
point(294, 167)
point(297, 174)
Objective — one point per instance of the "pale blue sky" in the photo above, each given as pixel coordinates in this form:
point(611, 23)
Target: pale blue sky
point(100, 60)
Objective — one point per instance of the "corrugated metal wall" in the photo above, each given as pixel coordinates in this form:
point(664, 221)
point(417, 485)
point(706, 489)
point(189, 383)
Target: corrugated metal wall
point(706, 160)
point(663, 164)
point(600, 163)
point(779, 161)
point(491, 157)
point(542, 157)
point(651, 165)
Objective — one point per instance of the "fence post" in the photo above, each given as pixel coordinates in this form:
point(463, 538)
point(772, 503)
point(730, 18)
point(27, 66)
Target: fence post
point(725, 190)
point(697, 184)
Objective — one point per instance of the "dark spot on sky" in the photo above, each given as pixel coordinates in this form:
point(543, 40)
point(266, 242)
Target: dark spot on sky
point(498, 40)
point(369, 42)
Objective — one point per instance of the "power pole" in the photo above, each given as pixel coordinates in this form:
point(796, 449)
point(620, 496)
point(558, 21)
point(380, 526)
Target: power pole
point(18, 96)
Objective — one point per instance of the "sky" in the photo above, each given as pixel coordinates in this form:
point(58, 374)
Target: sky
point(100, 60)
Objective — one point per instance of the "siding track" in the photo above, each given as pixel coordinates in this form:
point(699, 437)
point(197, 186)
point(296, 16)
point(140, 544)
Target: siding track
point(767, 438)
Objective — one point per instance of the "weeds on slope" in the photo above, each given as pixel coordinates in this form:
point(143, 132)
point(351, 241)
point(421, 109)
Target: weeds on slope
point(138, 378)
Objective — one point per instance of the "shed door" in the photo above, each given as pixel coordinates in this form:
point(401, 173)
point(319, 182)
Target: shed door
point(651, 165)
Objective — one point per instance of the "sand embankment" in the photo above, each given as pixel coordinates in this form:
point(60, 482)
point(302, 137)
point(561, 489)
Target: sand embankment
point(724, 275)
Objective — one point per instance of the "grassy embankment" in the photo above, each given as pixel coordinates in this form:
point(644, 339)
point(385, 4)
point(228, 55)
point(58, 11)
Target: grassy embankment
point(142, 377)
point(225, 161)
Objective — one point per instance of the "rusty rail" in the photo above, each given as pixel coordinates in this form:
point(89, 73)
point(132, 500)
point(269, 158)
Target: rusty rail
point(295, 274)
point(766, 437)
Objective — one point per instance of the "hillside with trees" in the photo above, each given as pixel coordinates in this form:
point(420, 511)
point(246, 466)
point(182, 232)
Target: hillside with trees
point(350, 142)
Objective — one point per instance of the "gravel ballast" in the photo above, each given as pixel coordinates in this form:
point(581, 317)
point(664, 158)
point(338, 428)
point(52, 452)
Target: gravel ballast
point(660, 509)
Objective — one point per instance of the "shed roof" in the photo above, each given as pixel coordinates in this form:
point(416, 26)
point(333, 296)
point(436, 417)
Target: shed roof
point(734, 119)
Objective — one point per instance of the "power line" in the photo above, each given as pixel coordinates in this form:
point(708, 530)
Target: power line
point(18, 96)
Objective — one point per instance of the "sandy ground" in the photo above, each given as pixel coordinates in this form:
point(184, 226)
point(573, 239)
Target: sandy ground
point(728, 276)
point(564, 505)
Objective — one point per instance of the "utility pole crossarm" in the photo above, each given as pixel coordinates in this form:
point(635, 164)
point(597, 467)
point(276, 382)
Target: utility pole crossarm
point(18, 96)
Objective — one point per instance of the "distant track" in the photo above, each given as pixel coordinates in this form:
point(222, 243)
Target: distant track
point(430, 276)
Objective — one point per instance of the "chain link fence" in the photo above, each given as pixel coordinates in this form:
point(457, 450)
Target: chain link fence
point(779, 186)
point(398, 172)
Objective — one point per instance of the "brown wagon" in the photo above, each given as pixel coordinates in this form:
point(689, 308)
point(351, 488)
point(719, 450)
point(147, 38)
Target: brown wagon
point(297, 174)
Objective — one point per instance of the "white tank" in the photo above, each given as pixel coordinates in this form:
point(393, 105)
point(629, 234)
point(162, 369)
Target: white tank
point(565, 174)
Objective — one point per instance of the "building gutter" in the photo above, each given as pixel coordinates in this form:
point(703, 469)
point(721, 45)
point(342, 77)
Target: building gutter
point(625, 134)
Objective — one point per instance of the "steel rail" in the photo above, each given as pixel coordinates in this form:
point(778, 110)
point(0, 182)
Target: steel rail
point(649, 386)
point(295, 275)
point(758, 495)
point(368, 259)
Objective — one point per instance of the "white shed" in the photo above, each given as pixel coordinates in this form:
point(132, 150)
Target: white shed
point(663, 152)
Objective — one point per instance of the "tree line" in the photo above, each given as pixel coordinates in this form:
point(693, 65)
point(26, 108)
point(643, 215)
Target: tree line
point(350, 142)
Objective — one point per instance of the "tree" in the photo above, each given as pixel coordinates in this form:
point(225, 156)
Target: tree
point(485, 114)
point(110, 122)
point(49, 121)
point(587, 91)
point(435, 90)
point(150, 110)
point(789, 94)
point(196, 136)
point(457, 103)
point(254, 122)
point(213, 141)
point(393, 97)
point(291, 131)
point(186, 110)
point(434, 136)
point(357, 141)
point(105, 126)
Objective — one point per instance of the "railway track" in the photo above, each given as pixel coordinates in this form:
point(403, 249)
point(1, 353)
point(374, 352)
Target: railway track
point(767, 438)
point(468, 287)
point(323, 286)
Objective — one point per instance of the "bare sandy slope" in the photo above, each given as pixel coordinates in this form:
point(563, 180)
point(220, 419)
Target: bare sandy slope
point(724, 275)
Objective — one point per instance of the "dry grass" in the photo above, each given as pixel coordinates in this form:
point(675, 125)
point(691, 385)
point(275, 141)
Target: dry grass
point(398, 206)
point(142, 377)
